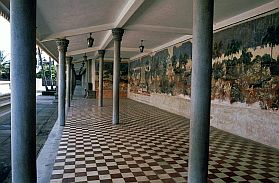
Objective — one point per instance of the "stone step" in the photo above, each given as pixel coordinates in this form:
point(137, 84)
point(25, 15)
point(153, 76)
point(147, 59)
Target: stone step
point(5, 97)
point(5, 105)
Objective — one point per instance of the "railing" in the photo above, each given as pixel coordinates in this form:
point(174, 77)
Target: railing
point(5, 98)
point(5, 104)
point(5, 87)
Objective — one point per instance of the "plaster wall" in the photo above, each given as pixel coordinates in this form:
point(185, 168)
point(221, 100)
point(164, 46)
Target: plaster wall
point(245, 79)
point(255, 124)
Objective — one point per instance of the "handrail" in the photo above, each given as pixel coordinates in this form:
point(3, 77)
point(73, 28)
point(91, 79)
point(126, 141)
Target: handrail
point(5, 82)
point(5, 87)
point(5, 104)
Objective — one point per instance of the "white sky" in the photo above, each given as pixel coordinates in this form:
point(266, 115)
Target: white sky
point(5, 37)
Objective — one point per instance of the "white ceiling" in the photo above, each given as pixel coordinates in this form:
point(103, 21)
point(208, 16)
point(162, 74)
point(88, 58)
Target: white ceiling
point(157, 22)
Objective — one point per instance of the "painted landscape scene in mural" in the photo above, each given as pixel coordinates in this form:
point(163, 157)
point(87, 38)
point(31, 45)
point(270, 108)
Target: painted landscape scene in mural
point(245, 66)
point(108, 75)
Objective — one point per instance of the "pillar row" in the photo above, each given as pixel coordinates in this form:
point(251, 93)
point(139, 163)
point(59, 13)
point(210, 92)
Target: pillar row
point(101, 84)
point(62, 45)
point(117, 37)
point(200, 90)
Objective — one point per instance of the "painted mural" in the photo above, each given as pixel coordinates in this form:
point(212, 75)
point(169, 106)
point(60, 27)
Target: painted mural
point(245, 66)
point(108, 75)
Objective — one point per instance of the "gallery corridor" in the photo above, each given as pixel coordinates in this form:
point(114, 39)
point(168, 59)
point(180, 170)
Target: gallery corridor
point(150, 145)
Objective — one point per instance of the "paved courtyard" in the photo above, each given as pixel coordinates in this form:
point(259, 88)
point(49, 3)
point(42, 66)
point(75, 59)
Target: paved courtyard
point(150, 145)
point(46, 112)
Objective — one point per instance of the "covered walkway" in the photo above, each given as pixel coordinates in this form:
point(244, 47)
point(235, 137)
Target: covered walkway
point(149, 145)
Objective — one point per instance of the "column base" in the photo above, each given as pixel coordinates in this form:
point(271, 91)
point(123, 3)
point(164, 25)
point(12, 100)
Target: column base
point(91, 94)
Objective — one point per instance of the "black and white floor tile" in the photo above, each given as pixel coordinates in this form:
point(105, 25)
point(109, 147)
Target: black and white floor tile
point(150, 145)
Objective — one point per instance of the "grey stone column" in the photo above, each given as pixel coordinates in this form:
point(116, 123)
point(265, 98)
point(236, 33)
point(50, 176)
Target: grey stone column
point(91, 93)
point(85, 76)
point(62, 45)
point(73, 80)
point(117, 36)
point(57, 79)
point(89, 74)
point(69, 81)
point(93, 73)
point(200, 90)
point(101, 84)
point(82, 81)
point(23, 90)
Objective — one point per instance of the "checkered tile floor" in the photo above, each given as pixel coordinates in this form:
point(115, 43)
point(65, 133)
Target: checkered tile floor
point(150, 145)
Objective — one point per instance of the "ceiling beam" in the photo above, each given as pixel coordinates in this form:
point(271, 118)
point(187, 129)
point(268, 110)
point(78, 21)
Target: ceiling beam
point(82, 51)
point(106, 59)
point(246, 16)
point(44, 48)
point(129, 49)
point(4, 11)
point(166, 45)
point(131, 7)
point(155, 28)
point(128, 11)
point(87, 50)
point(79, 31)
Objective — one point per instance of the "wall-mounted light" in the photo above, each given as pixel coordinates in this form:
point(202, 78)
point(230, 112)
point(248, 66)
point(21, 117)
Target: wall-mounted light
point(141, 47)
point(90, 41)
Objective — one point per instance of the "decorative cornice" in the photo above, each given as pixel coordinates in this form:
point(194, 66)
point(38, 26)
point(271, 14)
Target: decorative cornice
point(117, 34)
point(62, 45)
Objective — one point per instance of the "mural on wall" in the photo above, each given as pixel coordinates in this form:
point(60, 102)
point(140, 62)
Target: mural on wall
point(245, 66)
point(108, 75)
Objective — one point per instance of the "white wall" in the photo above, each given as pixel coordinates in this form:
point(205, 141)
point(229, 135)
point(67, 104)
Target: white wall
point(255, 124)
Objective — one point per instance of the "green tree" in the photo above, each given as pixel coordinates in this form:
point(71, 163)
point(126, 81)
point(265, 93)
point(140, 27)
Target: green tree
point(4, 66)
point(2, 59)
point(271, 37)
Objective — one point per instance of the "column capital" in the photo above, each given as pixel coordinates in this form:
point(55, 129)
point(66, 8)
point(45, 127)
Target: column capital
point(69, 60)
point(101, 53)
point(117, 34)
point(62, 44)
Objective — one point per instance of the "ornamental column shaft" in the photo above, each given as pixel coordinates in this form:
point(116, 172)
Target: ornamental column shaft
point(85, 76)
point(23, 90)
point(69, 81)
point(91, 93)
point(200, 90)
point(117, 36)
point(72, 86)
point(101, 84)
point(89, 74)
point(57, 79)
point(62, 45)
point(93, 77)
